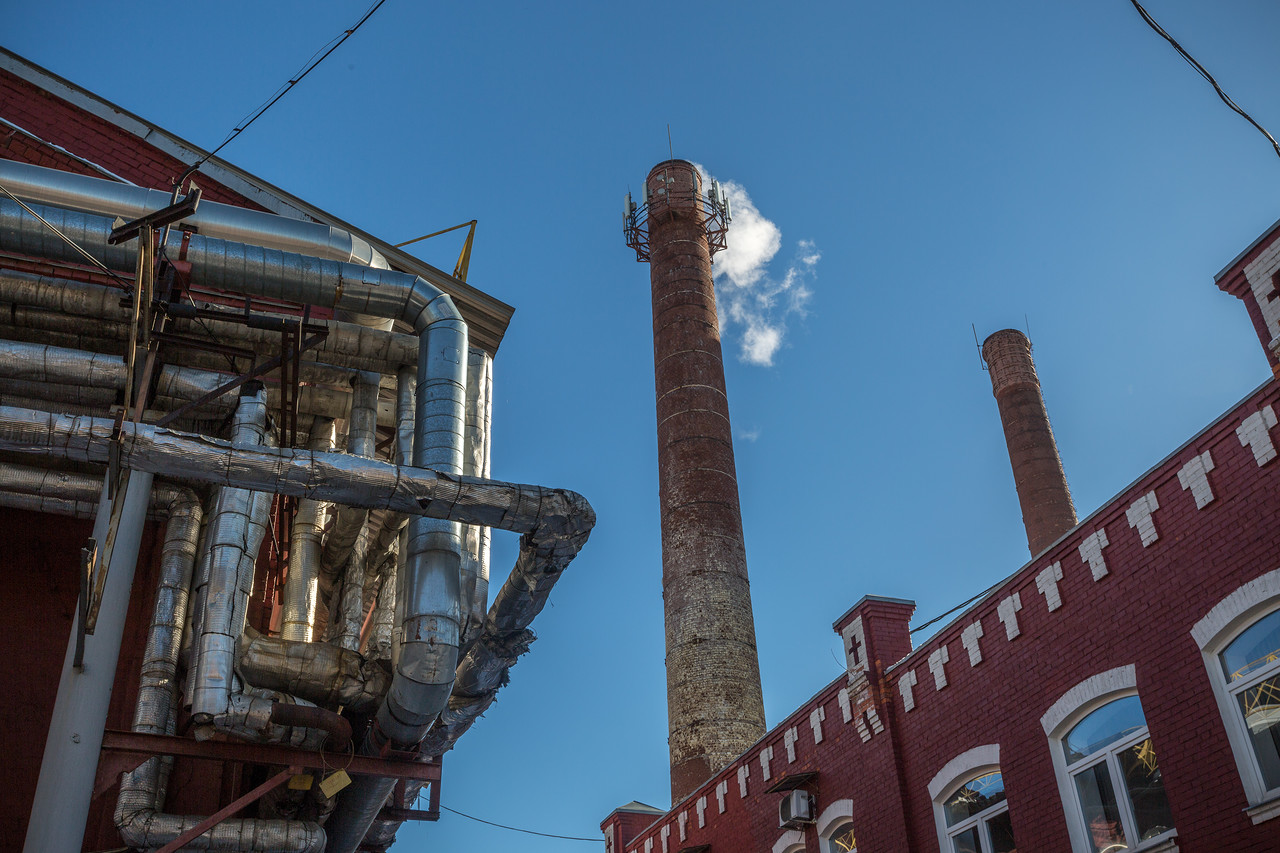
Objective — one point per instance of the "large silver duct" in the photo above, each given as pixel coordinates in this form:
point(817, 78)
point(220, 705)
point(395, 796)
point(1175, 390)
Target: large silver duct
point(302, 586)
point(348, 345)
point(361, 441)
point(238, 526)
point(95, 195)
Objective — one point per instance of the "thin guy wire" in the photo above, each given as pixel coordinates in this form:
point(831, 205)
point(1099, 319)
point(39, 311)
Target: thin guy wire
point(1226, 99)
point(518, 829)
point(332, 45)
point(72, 243)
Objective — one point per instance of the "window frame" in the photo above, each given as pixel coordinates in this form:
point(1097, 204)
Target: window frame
point(1074, 705)
point(1221, 626)
point(834, 819)
point(958, 772)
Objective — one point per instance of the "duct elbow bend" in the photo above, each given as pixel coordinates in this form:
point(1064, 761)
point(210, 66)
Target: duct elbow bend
point(428, 305)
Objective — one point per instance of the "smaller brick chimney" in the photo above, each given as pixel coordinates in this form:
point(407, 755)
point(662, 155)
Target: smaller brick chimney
point(1254, 278)
point(1047, 510)
point(877, 634)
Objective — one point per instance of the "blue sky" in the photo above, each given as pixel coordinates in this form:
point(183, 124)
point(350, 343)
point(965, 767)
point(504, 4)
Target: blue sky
point(998, 164)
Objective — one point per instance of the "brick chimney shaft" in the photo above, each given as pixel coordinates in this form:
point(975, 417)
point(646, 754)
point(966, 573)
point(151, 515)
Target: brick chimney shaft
point(714, 703)
point(1047, 510)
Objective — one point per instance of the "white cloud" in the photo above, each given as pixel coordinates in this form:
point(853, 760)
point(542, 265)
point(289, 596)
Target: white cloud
point(755, 304)
point(749, 434)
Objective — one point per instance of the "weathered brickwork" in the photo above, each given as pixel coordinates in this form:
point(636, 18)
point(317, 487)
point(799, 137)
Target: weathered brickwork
point(714, 704)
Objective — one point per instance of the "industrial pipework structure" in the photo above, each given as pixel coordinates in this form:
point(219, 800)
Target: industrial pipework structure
point(715, 708)
point(194, 366)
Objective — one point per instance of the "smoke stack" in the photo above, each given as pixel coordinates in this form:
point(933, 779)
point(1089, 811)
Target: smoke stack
point(715, 709)
point(1047, 510)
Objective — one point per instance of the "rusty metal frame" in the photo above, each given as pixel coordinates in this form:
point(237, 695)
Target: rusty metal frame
point(228, 810)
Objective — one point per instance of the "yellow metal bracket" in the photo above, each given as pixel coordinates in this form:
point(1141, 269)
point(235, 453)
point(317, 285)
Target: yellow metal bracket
point(464, 258)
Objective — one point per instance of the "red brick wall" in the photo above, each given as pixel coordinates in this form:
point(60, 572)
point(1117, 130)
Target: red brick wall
point(54, 120)
point(1140, 613)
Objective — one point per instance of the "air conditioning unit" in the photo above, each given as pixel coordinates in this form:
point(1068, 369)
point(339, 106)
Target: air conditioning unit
point(795, 809)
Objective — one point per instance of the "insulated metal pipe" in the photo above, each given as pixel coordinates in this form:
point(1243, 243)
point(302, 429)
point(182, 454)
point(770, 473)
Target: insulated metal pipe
point(302, 586)
point(361, 441)
point(1047, 509)
point(238, 527)
point(61, 804)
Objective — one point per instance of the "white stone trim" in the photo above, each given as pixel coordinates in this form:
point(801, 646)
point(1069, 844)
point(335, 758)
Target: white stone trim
point(789, 738)
point(648, 845)
point(905, 685)
point(744, 773)
point(965, 765)
point(855, 647)
point(1118, 680)
point(938, 660)
point(663, 836)
point(1194, 477)
point(721, 789)
point(608, 839)
point(682, 820)
point(1260, 274)
point(1238, 607)
point(969, 638)
point(1047, 583)
point(1007, 610)
point(1254, 433)
point(791, 841)
point(832, 818)
point(1091, 552)
point(701, 808)
point(1140, 515)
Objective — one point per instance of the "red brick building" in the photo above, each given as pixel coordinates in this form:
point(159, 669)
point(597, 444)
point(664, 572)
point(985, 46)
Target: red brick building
point(1120, 691)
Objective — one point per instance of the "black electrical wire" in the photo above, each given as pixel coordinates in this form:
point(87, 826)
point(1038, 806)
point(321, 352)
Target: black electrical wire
point(1226, 99)
point(332, 45)
point(942, 616)
point(518, 829)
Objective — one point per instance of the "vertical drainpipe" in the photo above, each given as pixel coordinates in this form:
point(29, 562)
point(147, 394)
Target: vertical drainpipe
point(1047, 510)
point(61, 806)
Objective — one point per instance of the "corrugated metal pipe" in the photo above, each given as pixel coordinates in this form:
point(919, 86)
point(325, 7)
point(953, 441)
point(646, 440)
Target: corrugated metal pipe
point(238, 525)
point(318, 672)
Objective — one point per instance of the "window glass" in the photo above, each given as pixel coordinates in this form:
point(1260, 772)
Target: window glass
point(1001, 829)
point(1146, 790)
point(1260, 705)
point(966, 842)
point(1258, 646)
point(1108, 724)
point(843, 840)
point(1101, 812)
point(977, 796)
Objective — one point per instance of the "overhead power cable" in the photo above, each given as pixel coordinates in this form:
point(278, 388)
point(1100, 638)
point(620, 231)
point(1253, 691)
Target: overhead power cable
point(316, 58)
point(1226, 99)
point(518, 829)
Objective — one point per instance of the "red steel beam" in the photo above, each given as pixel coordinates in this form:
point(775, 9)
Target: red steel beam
point(227, 811)
point(139, 743)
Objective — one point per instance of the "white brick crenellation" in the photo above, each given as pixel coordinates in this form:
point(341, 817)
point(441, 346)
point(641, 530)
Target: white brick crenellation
point(1261, 274)
point(701, 808)
point(1047, 583)
point(682, 820)
point(1141, 515)
point(1091, 552)
point(766, 755)
point(846, 709)
point(906, 685)
point(789, 738)
point(744, 772)
point(938, 659)
point(816, 716)
point(663, 836)
point(1255, 433)
point(1007, 610)
point(969, 638)
point(1194, 477)
point(721, 790)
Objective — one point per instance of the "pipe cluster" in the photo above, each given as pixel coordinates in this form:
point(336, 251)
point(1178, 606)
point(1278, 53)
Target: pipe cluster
point(384, 612)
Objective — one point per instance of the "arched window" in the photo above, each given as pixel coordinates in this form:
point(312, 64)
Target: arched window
point(1108, 773)
point(976, 817)
point(1240, 641)
point(835, 828)
point(969, 804)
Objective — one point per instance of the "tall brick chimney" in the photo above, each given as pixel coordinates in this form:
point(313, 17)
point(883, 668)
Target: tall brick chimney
point(1047, 510)
point(715, 709)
